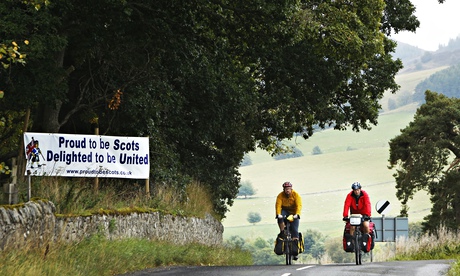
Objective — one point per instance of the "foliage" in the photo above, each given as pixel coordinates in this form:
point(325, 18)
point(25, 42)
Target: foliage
point(443, 244)
point(316, 150)
point(445, 82)
point(292, 153)
point(336, 253)
point(452, 45)
point(236, 241)
point(4, 169)
point(206, 81)
point(314, 243)
point(98, 256)
point(246, 161)
point(426, 157)
point(254, 217)
point(415, 229)
point(246, 189)
point(76, 196)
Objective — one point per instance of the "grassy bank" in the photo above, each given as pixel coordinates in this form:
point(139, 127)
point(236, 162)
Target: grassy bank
point(442, 245)
point(98, 256)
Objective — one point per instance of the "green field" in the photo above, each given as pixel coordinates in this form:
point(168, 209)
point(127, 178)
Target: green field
point(323, 180)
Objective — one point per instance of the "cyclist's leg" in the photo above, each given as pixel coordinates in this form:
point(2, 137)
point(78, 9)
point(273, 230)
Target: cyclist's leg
point(295, 229)
point(281, 223)
point(365, 227)
point(352, 230)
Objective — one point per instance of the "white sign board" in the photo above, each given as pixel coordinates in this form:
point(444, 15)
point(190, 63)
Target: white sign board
point(383, 207)
point(73, 155)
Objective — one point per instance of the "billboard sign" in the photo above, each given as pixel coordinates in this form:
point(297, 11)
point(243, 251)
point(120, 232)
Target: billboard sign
point(72, 155)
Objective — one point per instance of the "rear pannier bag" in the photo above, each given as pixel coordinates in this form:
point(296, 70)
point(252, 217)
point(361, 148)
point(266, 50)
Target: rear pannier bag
point(366, 242)
point(347, 242)
point(279, 245)
point(301, 243)
point(372, 233)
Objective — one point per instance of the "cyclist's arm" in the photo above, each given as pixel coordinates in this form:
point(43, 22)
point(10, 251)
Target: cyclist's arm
point(278, 204)
point(346, 205)
point(367, 204)
point(298, 201)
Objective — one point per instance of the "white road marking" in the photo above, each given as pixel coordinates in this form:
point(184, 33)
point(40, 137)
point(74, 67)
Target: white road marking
point(305, 267)
point(286, 274)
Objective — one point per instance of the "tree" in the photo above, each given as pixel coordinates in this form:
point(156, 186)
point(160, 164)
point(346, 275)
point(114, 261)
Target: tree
point(293, 152)
point(246, 189)
point(336, 253)
point(426, 156)
point(207, 81)
point(254, 217)
point(316, 150)
point(314, 244)
point(236, 241)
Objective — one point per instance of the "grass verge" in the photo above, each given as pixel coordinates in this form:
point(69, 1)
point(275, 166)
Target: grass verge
point(99, 256)
point(443, 244)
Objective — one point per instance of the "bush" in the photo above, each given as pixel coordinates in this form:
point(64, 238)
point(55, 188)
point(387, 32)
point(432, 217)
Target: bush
point(246, 189)
point(316, 150)
point(293, 154)
point(254, 217)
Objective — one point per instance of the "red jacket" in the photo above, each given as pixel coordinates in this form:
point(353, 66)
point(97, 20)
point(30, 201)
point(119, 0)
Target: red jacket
point(361, 206)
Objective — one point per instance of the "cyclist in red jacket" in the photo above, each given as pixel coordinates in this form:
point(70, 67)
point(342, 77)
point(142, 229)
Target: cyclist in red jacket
point(358, 202)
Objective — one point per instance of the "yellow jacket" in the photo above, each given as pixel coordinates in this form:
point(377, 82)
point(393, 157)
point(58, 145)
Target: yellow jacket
point(292, 204)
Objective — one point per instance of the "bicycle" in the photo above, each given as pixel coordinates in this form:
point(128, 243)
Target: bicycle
point(356, 221)
point(288, 252)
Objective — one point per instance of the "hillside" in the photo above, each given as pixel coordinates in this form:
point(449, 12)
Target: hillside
point(323, 180)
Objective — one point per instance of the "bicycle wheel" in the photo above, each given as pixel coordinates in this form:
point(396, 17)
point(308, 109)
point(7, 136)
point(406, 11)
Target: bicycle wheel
point(360, 256)
point(287, 251)
point(357, 249)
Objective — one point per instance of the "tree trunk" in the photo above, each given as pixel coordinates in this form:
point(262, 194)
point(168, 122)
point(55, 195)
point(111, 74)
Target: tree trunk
point(51, 117)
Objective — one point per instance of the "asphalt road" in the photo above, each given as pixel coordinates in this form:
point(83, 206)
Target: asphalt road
point(406, 268)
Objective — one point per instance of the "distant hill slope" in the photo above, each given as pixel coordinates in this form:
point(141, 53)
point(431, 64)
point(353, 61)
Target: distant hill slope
point(416, 59)
point(419, 65)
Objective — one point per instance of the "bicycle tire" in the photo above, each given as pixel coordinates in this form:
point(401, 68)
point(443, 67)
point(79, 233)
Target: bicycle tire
point(288, 245)
point(357, 248)
point(287, 251)
point(360, 257)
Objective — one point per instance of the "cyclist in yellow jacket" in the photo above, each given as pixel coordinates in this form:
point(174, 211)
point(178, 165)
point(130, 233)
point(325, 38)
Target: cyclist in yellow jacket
point(288, 202)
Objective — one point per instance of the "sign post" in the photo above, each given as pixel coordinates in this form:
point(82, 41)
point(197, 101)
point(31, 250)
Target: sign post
point(383, 207)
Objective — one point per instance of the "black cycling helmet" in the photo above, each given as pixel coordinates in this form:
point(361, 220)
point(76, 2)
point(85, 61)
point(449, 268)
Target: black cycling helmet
point(356, 185)
point(287, 184)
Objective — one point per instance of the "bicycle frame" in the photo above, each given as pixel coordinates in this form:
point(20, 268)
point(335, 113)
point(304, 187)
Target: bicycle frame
point(288, 242)
point(356, 222)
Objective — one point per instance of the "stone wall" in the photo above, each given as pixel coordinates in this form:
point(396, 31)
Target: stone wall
point(35, 224)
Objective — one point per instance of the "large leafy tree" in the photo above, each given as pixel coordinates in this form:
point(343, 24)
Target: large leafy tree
point(426, 156)
point(207, 81)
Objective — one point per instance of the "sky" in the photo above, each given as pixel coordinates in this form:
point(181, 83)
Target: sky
point(438, 24)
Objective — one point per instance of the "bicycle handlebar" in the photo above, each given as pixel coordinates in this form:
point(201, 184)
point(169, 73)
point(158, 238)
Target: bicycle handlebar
point(296, 216)
point(364, 218)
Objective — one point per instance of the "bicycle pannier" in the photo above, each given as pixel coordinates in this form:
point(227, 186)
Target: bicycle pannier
point(301, 243)
point(279, 245)
point(347, 242)
point(366, 242)
point(372, 233)
point(295, 248)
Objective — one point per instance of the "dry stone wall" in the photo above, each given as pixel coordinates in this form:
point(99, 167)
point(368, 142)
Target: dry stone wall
point(35, 224)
